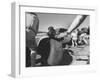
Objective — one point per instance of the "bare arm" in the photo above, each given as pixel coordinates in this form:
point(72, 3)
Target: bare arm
point(76, 23)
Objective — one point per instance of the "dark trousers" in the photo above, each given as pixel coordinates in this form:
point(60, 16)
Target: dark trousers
point(28, 57)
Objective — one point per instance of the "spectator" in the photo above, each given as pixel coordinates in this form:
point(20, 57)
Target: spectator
point(74, 38)
point(32, 24)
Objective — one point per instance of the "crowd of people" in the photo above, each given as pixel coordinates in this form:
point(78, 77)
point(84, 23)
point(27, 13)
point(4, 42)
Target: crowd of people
point(77, 37)
point(80, 37)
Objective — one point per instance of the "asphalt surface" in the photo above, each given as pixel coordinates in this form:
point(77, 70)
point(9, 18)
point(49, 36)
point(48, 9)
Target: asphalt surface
point(81, 55)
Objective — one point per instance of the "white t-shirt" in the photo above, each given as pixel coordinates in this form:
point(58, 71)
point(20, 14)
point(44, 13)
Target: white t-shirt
point(74, 36)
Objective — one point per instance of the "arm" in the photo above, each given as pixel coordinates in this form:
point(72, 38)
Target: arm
point(77, 22)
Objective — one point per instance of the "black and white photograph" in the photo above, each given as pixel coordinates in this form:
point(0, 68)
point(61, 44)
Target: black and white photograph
point(55, 39)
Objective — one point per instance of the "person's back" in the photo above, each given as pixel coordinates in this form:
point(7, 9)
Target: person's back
point(56, 52)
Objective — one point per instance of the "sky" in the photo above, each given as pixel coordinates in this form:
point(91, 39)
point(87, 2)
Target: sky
point(58, 20)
